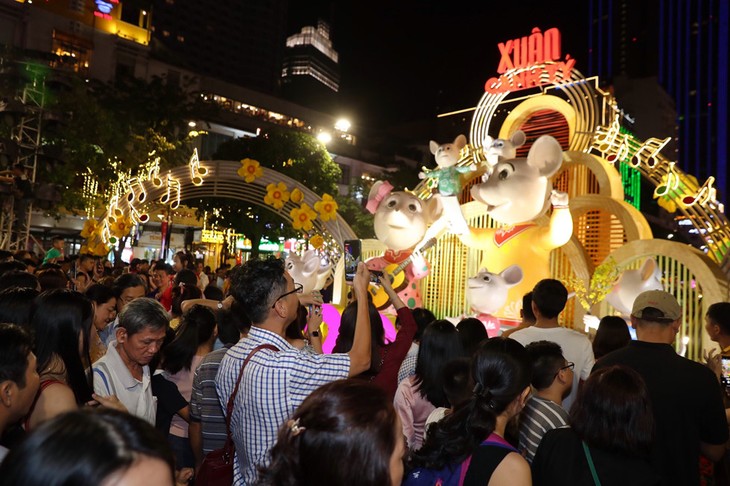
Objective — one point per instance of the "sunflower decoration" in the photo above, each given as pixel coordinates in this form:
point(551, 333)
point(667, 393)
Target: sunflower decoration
point(276, 195)
point(317, 241)
point(90, 227)
point(250, 170)
point(296, 196)
point(303, 217)
point(327, 207)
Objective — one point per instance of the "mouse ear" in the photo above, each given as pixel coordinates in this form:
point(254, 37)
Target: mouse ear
point(460, 142)
point(518, 138)
point(545, 155)
point(433, 146)
point(512, 275)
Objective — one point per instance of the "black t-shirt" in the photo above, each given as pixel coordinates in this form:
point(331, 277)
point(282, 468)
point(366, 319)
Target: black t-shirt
point(687, 403)
point(560, 460)
point(169, 401)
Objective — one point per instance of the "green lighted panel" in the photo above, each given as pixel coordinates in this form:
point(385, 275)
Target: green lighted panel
point(631, 178)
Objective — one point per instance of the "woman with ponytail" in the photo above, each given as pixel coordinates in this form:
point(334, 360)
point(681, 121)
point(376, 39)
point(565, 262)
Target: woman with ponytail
point(468, 447)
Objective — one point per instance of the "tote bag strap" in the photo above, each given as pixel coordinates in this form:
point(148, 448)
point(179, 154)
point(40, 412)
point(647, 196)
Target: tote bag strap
point(592, 467)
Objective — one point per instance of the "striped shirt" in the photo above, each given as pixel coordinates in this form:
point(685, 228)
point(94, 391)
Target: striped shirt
point(538, 417)
point(274, 384)
point(204, 405)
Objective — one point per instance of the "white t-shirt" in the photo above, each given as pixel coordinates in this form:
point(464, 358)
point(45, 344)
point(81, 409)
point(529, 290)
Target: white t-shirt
point(576, 348)
point(112, 377)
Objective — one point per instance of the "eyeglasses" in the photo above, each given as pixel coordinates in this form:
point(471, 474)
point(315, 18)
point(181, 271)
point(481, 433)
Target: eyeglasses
point(297, 290)
point(568, 366)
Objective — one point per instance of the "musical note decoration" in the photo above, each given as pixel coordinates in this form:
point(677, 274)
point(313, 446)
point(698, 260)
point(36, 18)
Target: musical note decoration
point(172, 194)
point(197, 171)
point(670, 183)
point(705, 194)
point(648, 152)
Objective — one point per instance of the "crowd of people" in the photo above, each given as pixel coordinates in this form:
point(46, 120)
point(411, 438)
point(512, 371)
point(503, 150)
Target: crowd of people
point(135, 375)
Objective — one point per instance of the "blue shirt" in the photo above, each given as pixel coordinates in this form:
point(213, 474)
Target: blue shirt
point(273, 385)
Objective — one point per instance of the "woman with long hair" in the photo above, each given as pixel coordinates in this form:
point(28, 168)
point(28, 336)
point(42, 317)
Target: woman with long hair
point(344, 433)
point(612, 428)
point(612, 334)
point(386, 359)
point(104, 303)
point(419, 395)
point(184, 287)
point(90, 448)
point(193, 341)
point(470, 441)
point(61, 321)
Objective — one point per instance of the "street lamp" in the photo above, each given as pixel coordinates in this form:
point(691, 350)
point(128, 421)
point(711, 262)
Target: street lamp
point(343, 125)
point(324, 137)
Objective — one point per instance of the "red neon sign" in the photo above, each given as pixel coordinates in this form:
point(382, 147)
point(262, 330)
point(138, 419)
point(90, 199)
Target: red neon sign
point(540, 50)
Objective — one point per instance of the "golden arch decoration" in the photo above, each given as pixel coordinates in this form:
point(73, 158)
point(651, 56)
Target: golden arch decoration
point(519, 115)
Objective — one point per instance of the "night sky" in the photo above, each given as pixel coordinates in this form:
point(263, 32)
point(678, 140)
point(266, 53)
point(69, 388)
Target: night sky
point(405, 60)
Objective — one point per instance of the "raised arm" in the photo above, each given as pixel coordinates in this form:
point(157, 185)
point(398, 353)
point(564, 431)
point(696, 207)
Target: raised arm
point(360, 352)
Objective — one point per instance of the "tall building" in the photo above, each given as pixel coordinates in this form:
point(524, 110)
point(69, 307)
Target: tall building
point(684, 44)
point(239, 42)
point(310, 72)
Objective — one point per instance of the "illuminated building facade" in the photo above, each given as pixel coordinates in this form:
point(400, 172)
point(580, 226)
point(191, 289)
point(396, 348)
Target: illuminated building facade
point(684, 44)
point(310, 70)
point(240, 42)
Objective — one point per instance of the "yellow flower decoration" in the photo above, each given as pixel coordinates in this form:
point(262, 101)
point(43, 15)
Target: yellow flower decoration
point(250, 170)
point(316, 241)
point(296, 196)
point(276, 195)
point(121, 227)
point(89, 228)
point(327, 207)
point(303, 217)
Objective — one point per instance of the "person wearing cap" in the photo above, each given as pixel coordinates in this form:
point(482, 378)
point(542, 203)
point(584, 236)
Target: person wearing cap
point(686, 399)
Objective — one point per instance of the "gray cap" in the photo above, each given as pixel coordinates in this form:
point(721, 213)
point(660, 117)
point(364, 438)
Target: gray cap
point(660, 300)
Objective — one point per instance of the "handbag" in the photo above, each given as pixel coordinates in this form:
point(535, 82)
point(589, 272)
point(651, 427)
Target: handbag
point(217, 466)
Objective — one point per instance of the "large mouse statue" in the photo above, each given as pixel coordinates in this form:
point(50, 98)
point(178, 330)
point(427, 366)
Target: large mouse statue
point(307, 270)
point(448, 179)
point(518, 191)
point(401, 220)
point(496, 150)
point(486, 293)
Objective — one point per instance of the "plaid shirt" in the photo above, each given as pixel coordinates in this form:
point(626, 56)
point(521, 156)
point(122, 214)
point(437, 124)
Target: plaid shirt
point(274, 384)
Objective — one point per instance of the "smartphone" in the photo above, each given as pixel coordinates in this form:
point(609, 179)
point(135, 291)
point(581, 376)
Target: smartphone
point(725, 376)
point(353, 256)
point(375, 276)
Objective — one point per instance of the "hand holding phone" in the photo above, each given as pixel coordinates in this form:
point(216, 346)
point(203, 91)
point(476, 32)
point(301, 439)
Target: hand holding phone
point(353, 256)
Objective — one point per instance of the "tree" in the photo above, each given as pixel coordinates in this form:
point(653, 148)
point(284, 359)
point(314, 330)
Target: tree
point(293, 153)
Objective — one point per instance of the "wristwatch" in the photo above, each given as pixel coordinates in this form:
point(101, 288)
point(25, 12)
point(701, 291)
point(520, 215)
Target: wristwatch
point(220, 304)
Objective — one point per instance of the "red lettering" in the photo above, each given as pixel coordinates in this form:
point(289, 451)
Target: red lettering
point(567, 67)
point(551, 43)
point(535, 54)
point(552, 70)
point(505, 63)
point(491, 86)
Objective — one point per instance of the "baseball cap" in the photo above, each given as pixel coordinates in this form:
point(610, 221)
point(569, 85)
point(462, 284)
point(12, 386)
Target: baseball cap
point(660, 300)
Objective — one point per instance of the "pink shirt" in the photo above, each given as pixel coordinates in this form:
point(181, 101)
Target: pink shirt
point(413, 410)
point(184, 381)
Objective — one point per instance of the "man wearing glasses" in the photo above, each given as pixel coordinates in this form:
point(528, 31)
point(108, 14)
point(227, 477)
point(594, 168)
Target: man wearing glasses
point(552, 378)
point(274, 383)
point(548, 301)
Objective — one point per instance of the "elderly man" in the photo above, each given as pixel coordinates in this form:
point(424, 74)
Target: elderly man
point(124, 370)
point(278, 376)
point(685, 396)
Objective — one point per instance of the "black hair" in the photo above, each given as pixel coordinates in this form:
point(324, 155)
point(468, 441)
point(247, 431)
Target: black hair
point(471, 332)
point(186, 277)
point(346, 336)
point(458, 384)
point(613, 412)
point(340, 424)
point(4, 255)
point(423, 318)
point(719, 313)
point(547, 359)
point(11, 265)
point(15, 346)
point(256, 284)
point(165, 267)
point(16, 304)
point(127, 281)
point(527, 314)
point(18, 279)
point(85, 256)
point(196, 327)
point(231, 324)
point(180, 293)
point(186, 260)
point(60, 319)
point(57, 238)
point(612, 334)
point(501, 372)
point(52, 278)
point(134, 263)
point(59, 452)
point(144, 314)
point(213, 293)
point(549, 296)
point(100, 294)
point(440, 344)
